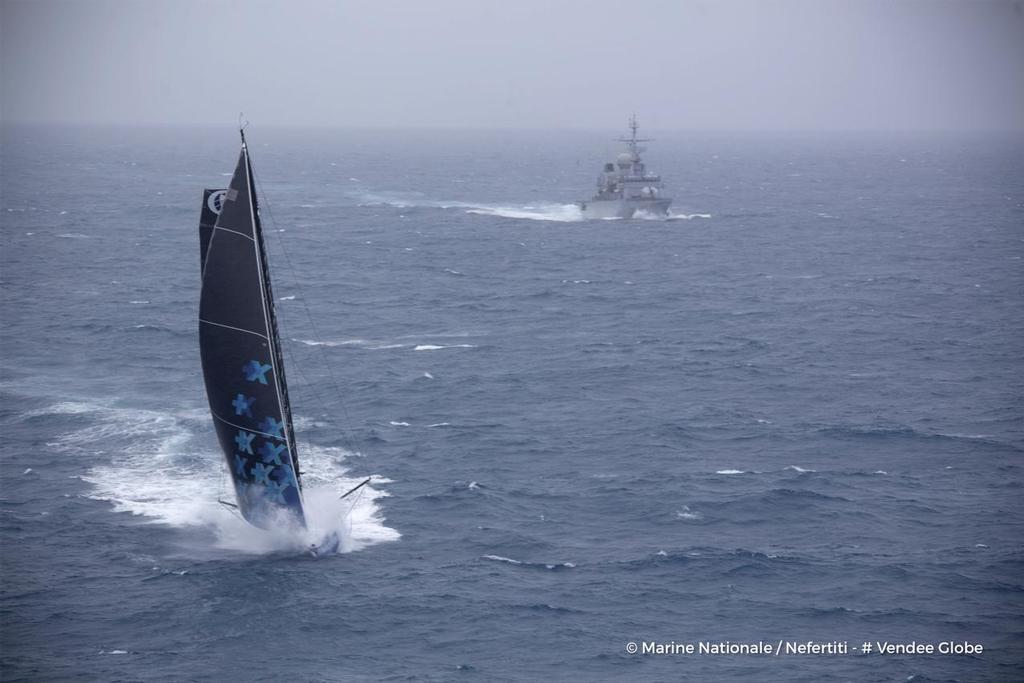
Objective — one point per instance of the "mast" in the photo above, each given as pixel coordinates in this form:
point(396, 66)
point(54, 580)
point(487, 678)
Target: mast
point(271, 317)
point(631, 142)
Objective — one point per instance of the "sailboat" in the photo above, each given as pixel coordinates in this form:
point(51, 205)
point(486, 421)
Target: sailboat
point(243, 364)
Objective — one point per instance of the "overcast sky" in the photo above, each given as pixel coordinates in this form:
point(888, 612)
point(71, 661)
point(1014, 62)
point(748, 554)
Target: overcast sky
point(717, 64)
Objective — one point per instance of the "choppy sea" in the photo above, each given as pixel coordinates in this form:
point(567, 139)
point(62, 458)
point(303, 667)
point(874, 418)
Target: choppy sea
point(790, 412)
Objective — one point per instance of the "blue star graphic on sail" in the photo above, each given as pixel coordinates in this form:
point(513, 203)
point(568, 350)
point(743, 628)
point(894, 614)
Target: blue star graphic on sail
point(242, 404)
point(272, 427)
point(261, 473)
point(275, 491)
point(240, 465)
point(286, 476)
point(272, 453)
point(256, 371)
point(244, 441)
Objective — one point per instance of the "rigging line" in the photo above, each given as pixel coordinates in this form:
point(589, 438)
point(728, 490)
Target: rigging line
point(293, 360)
point(294, 363)
point(355, 501)
point(346, 437)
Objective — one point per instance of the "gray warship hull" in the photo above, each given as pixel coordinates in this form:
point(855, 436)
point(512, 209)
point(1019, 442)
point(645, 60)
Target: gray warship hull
point(623, 208)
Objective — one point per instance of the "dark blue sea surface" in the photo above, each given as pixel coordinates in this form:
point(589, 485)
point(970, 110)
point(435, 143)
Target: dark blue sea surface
point(792, 411)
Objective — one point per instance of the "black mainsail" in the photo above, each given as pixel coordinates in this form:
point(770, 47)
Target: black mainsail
point(243, 366)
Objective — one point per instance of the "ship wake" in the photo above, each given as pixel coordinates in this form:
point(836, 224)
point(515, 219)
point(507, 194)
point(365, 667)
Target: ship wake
point(543, 211)
point(540, 211)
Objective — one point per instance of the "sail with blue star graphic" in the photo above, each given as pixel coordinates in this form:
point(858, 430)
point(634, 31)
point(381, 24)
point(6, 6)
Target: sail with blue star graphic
point(241, 355)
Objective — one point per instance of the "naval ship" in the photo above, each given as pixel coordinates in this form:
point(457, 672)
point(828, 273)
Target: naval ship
point(625, 188)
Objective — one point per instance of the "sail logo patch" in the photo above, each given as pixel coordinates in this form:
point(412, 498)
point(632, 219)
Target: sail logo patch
point(215, 202)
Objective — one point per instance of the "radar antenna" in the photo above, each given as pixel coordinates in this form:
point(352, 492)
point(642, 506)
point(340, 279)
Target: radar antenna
point(631, 142)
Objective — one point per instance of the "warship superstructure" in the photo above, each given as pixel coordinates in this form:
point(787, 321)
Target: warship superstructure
point(625, 188)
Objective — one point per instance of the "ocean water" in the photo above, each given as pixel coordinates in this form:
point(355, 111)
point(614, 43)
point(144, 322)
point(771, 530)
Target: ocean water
point(793, 411)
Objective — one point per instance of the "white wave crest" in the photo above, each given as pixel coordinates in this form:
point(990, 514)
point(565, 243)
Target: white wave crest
point(686, 216)
point(63, 408)
point(342, 342)
point(509, 560)
point(435, 347)
point(356, 343)
point(687, 513)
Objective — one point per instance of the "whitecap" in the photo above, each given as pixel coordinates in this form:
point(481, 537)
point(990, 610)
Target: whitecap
point(64, 408)
point(358, 343)
point(395, 423)
point(499, 558)
point(687, 216)
point(797, 468)
point(343, 342)
point(436, 347)
point(730, 472)
point(687, 513)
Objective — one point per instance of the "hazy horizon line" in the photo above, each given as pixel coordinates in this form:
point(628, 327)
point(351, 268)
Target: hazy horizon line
point(484, 128)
